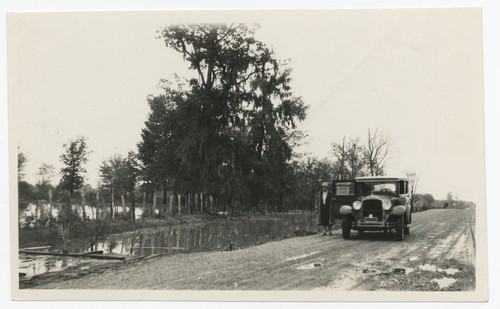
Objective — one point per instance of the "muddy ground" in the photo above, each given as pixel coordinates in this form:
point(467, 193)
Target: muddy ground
point(439, 255)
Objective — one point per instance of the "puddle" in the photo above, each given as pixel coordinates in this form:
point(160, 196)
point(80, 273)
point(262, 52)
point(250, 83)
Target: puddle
point(309, 266)
point(293, 258)
point(448, 271)
point(428, 267)
point(444, 282)
point(30, 266)
point(409, 270)
point(451, 271)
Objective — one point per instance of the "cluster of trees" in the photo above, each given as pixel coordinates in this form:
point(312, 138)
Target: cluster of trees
point(355, 159)
point(228, 133)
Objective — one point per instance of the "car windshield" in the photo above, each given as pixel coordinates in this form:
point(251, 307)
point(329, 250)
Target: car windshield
point(378, 188)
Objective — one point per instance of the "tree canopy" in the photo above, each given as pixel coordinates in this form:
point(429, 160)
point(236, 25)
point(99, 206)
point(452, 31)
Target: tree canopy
point(227, 131)
point(74, 159)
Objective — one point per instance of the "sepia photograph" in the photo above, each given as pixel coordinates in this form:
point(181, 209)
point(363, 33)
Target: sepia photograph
point(273, 155)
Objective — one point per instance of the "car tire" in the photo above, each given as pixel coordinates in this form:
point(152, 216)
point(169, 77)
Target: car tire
point(346, 232)
point(400, 229)
point(361, 231)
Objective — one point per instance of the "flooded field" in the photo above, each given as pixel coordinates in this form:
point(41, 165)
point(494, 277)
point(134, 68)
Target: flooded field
point(220, 235)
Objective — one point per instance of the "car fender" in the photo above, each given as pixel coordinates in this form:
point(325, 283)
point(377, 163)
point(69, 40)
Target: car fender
point(346, 210)
point(398, 210)
point(408, 214)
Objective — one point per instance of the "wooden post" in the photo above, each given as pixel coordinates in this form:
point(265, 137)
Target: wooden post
point(112, 204)
point(177, 236)
point(97, 205)
point(123, 205)
point(171, 204)
point(179, 202)
point(201, 202)
point(50, 202)
point(153, 208)
point(143, 201)
point(82, 194)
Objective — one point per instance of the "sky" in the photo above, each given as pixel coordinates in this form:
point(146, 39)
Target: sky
point(414, 75)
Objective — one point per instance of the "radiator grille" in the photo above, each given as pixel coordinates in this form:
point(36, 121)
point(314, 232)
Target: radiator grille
point(373, 207)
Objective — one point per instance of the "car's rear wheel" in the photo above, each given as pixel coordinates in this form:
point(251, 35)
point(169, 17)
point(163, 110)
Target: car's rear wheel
point(361, 231)
point(400, 229)
point(407, 229)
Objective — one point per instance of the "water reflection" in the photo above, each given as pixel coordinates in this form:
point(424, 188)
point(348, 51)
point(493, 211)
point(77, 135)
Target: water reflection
point(38, 211)
point(212, 236)
point(225, 235)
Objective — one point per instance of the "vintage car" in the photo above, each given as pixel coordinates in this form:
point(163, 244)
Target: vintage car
point(376, 203)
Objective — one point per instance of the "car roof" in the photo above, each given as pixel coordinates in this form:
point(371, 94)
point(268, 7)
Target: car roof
point(378, 178)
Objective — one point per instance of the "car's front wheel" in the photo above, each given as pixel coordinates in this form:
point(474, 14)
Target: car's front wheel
point(346, 227)
point(400, 229)
point(346, 232)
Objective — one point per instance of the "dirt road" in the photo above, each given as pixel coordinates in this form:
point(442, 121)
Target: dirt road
point(437, 256)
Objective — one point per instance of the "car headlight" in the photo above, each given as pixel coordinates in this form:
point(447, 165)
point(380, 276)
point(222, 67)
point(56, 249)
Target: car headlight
point(356, 205)
point(386, 205)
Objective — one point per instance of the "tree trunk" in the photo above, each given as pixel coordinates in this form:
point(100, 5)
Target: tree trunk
point(112, 204)
point(36, 212)
point(84, 214)
point(201, 202)
point(153, 208)
point(65, 224)
point(171, 204)
point(143, 202)
point(132, 208)
point(179, 203)
point(97, 205)
point(124, 210)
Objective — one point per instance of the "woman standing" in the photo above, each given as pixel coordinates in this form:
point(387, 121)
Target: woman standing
point(324, 209)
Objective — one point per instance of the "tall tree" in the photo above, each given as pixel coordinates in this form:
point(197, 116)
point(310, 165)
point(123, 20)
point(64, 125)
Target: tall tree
point(226, 133)
point(108, 172)
point(73, 160)
point(350, 160)
point(120, 176)
point(72, 178)
point(46, 172)
point(44, 186)
point(413, 179)
point(376, 153)
point(127, 179)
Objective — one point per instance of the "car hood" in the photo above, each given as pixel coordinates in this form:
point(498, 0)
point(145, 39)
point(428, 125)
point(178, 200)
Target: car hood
point(377, 197)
